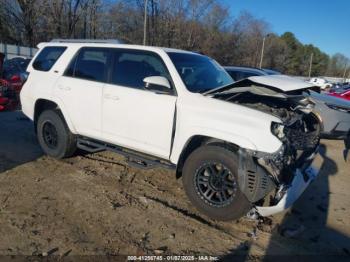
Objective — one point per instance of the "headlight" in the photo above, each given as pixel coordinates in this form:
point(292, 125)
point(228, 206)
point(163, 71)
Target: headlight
point(339, 108)
point(278, 130)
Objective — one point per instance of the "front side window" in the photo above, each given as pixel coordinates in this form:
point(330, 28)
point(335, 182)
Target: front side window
point(48, 57)
point(132, 66)
point(90, 64)
point(199, 73)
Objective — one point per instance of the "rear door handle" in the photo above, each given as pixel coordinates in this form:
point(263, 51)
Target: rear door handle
point(111, 97)
point(64, 88)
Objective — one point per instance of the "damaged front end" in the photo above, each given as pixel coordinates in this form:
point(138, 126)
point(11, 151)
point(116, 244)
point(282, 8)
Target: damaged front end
point(272, 182)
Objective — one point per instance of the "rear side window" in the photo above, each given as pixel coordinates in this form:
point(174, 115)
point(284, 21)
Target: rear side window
point(48, 57)
point(132, 66)
point(90, 64)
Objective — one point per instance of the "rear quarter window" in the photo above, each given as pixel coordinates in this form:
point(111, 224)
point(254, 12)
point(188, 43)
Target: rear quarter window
point(48, 57)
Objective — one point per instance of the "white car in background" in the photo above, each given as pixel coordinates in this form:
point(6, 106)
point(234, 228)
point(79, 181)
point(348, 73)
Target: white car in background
point(320, 82)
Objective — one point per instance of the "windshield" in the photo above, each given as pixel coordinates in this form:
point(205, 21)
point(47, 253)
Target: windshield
point(342, 89)
point(199, 73)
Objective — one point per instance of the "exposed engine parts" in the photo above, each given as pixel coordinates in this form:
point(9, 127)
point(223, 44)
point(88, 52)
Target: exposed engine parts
point(299, 131)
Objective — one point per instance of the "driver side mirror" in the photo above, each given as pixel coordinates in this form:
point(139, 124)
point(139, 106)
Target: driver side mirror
point(159, 84)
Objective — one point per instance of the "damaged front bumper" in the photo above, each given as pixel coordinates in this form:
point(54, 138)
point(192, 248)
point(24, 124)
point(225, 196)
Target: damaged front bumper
point(285, 193)
point(301, 181)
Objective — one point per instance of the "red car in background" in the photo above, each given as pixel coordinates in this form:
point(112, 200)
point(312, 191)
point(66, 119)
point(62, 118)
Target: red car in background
point(343, 92)
point(3, 86)
point(12, 77)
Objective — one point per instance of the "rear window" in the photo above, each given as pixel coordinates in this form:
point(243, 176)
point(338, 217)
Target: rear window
point(48, 57)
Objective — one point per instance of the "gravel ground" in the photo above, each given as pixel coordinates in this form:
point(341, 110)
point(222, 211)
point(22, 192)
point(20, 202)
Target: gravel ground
point(94, 204)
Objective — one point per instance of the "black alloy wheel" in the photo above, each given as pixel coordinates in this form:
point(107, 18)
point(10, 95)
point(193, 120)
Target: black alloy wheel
point(210, 180)
point(216, 184)
point(50, 135)
point(54, 136)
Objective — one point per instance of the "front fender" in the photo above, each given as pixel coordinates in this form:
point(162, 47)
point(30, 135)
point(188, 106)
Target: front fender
point(239, 125)
point(182, 139)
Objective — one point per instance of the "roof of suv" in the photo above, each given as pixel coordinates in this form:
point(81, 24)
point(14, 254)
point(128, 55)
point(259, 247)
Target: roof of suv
point(114, 45)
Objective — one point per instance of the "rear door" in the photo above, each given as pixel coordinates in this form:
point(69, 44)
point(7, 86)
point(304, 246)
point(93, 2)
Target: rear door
point(80, 89)
point(133, 116)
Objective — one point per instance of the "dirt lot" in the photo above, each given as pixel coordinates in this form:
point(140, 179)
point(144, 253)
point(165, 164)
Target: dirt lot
point(96, 204)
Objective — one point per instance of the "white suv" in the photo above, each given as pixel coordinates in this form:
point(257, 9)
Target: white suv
point(237, 152)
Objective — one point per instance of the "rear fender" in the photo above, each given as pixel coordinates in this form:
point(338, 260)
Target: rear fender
point(62, 108)
point(66, 115)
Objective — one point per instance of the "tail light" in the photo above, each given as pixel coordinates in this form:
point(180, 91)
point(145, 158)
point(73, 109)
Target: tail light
point(15, 78)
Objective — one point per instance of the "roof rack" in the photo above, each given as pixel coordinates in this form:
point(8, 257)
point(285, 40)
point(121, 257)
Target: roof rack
point(100, 41)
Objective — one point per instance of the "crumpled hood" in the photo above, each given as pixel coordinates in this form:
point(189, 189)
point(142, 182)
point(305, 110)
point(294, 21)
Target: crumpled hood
point(281, 82)
point(278, 84)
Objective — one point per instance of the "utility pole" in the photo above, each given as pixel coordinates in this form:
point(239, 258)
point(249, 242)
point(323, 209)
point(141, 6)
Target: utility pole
point(145, 24)
point(262, 52)
point(346, 68)
point(310, 67)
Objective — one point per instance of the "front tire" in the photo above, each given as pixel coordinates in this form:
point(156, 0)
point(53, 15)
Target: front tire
point(54, 136)
point(211, 183)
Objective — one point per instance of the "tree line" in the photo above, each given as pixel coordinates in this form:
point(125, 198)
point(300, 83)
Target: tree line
point(204, 26)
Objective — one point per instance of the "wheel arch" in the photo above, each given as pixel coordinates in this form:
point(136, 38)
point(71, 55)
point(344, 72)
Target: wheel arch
point(43, 104)
point(197, 141)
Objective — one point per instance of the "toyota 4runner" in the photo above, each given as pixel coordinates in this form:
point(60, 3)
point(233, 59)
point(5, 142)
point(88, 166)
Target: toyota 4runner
point(236, 154)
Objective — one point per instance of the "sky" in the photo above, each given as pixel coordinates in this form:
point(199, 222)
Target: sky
point(323, 23)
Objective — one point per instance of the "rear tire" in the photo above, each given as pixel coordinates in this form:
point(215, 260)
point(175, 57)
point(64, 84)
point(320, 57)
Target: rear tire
point(54, 136)
point(211, 183)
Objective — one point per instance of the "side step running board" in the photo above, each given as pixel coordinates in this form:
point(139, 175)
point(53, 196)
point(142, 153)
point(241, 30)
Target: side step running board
point(133, 158)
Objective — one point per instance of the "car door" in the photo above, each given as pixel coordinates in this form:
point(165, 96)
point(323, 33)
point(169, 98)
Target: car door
point(80, 89)
point(134, 117)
